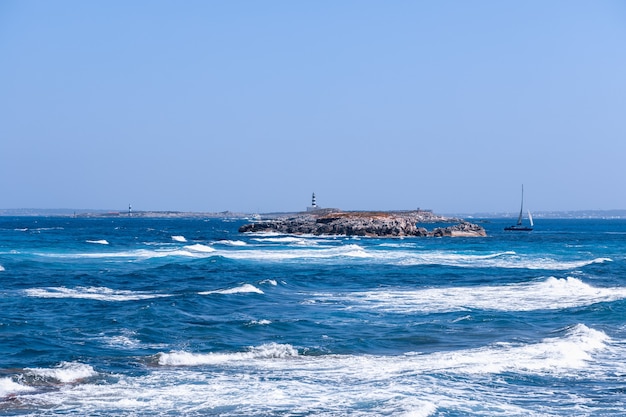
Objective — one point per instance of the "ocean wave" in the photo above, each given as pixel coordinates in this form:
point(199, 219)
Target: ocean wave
point(65, 372)
point(91, 293)
point(38, 229)
point(344, 251)
point(266, 351)
point(198, 247)
point(271, 378)
point(286, 239)
point(231, 242)
point(245, 288)
point(263, 322)
point(9, 387)
point(507, 260)
point(560, 355)
point(181, 239)
point(1, 268)
point(550, 294)
point(98, 242)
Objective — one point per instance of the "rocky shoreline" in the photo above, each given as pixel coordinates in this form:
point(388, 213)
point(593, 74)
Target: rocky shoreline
point(370, 223)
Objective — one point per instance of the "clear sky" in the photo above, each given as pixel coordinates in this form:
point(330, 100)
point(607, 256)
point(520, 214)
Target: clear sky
point(253, 105)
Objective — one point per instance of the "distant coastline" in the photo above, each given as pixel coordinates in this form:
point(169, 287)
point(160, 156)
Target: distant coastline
point(563, 214)
point(95, 213)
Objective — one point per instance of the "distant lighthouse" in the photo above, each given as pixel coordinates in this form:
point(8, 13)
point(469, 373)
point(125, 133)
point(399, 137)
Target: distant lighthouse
point(130, 210)
point(313, 206)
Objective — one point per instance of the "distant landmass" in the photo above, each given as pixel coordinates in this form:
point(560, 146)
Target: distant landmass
point(86, 213)
point(572, 214)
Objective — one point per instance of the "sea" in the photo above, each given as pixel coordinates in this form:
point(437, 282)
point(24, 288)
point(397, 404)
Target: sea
point(128, 316)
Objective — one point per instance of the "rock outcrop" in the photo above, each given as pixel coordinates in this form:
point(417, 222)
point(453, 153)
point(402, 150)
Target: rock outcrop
point(360, 223)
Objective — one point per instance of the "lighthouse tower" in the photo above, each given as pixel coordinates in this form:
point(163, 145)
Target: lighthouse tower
point(313, 206)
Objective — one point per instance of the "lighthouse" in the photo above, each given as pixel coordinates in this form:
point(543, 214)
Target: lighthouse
point(313, 206)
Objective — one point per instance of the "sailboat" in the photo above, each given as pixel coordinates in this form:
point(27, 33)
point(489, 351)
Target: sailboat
point(519, 226)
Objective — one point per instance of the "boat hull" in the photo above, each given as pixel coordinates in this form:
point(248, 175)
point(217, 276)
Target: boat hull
point(519, 228)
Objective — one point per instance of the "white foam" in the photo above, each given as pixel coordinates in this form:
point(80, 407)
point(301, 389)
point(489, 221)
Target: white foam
point(231, 242)
point(263, 322)
point(272, 378)
point(65, 372)
point(91, 293)
point(245, 288)
point(98, 242)
point(179, 239)
point(552, 293)
point(344, 251)
point(1, 268)
point(267, 351)
point(283, 239)
point(507, 259)
point(9, 387)
point(126, 340)
point(552, 355)
point(200, 248)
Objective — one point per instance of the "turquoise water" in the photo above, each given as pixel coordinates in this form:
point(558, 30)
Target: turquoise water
point(145, 317)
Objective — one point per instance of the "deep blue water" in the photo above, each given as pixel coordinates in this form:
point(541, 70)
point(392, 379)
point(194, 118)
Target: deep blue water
point(145, 317)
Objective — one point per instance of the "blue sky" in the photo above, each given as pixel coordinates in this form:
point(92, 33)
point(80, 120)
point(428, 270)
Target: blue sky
point(253, 105)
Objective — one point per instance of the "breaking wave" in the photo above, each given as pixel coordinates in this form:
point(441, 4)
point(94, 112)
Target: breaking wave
point(91, 293)
point(231, 242)
point(246, 288)
point(200, 248)
point(267, 351)
point(550, 294)
point(65, 372)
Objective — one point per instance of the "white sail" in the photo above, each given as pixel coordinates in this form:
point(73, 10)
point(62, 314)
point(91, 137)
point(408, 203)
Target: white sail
point(519, 225)
point(521, 209)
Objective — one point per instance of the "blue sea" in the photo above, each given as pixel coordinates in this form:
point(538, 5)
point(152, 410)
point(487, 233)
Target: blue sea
point(188, 317)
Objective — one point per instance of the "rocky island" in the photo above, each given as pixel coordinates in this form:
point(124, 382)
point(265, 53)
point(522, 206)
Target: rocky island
point(366, 223)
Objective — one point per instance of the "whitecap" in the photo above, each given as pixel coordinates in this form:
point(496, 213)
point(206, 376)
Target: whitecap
point(179, 239)
point(245, 288)
point(91, 293)
point(98, 242)
point(9, 387)
point(1, 268)
point(507, 259)
point(549, 294)
point(126, 340)
point(231, 242)
point(65, 372)
point(283, 239)
point(552, 355)
point(262, 352)
point(271, 378)
point(344, 251)
point(262, 322)
point(199, 248)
